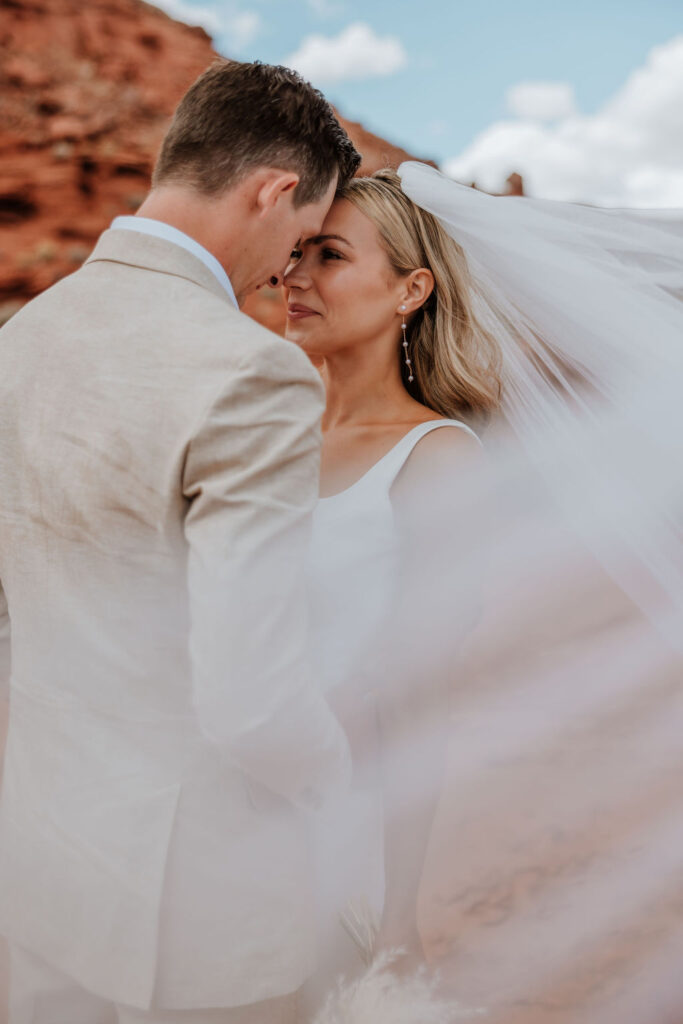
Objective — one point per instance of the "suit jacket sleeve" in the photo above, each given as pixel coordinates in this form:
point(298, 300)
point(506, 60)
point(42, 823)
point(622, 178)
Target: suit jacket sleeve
point(4, 673)
point(251, 475)
point(4, 648)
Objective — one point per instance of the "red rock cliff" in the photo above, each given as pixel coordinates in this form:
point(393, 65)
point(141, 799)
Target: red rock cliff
point(86, 91)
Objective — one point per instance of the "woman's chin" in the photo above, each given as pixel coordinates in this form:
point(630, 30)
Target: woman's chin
point(313, 353)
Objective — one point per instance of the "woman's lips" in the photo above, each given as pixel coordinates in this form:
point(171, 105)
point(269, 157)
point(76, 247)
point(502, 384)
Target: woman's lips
point(300, 312)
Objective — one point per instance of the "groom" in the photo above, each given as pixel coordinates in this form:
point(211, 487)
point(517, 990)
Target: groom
point(158, 457)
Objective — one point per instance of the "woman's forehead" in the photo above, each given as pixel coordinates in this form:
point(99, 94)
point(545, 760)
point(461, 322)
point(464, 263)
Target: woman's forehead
point(345, 219)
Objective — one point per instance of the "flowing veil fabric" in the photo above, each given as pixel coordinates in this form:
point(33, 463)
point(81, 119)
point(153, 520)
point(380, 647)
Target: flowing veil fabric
point(587, 305)
point(549, 593)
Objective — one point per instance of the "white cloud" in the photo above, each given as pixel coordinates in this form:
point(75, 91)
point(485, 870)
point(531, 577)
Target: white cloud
point(541, 101)
point(240, 29)
point(355, 53)
point(192, 14)
point(236, 29)
point(629, 153)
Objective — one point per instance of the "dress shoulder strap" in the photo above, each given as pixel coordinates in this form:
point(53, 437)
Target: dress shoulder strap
point(392, 463)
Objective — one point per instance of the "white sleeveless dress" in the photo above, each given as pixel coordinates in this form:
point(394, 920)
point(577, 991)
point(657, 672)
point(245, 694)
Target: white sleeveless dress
point(353, 565)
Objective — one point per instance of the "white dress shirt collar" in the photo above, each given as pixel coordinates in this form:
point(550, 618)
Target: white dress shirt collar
point(159, 229)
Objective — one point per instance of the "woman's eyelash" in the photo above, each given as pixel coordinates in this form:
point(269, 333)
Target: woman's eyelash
point(327, 254)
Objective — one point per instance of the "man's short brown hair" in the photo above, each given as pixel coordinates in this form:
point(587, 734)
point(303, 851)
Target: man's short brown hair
point(238, 116)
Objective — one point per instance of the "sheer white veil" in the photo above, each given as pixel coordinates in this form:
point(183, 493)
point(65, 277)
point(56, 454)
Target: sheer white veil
point(587, 306)
point(552, 603)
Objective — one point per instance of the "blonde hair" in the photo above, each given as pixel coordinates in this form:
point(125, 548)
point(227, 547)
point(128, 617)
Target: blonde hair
point(456, 362)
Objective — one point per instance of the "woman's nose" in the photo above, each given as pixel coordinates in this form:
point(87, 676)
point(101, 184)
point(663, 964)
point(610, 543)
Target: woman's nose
point(296, 277)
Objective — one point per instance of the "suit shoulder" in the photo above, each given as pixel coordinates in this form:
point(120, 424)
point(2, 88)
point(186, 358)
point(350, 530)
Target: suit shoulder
point(265, 352)
point(276, 351)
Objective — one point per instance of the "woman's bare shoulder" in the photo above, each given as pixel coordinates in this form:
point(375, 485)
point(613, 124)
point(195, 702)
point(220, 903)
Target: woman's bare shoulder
point(441, 453)
point(451, 440)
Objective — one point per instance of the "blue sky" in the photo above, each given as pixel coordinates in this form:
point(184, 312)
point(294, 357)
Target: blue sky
point(448, 66)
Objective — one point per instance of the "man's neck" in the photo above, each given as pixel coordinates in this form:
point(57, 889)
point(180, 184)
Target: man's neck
point(194, 215)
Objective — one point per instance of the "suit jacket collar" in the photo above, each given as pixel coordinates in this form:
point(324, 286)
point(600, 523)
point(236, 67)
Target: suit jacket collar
point(149, 253)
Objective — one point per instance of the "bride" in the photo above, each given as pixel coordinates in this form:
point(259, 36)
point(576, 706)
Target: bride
point(415, 333)
point(381, 298)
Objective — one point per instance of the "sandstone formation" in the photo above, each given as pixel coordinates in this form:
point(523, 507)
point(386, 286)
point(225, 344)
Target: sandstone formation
point(86, 91)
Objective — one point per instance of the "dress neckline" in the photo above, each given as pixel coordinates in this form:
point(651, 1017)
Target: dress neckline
point(375, 465)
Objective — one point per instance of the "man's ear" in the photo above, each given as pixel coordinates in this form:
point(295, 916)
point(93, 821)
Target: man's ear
point(274, 186)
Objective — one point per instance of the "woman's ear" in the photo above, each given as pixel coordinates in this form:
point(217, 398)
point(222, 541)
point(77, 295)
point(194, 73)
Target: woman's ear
point(418, 286)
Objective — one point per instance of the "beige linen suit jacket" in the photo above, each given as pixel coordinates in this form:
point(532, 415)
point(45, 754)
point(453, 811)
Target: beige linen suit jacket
point(159, 461)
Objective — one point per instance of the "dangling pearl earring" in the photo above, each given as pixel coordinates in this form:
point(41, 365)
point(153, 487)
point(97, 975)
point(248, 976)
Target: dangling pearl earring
point(405, 348)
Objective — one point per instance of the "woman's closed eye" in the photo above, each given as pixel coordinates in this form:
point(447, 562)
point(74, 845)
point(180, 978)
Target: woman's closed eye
point(325, 254)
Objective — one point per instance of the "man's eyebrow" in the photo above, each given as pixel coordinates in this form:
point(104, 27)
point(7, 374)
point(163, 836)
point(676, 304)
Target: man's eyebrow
point(325, 238)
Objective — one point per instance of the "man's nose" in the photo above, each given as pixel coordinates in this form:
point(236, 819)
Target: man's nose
point(276, 280)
